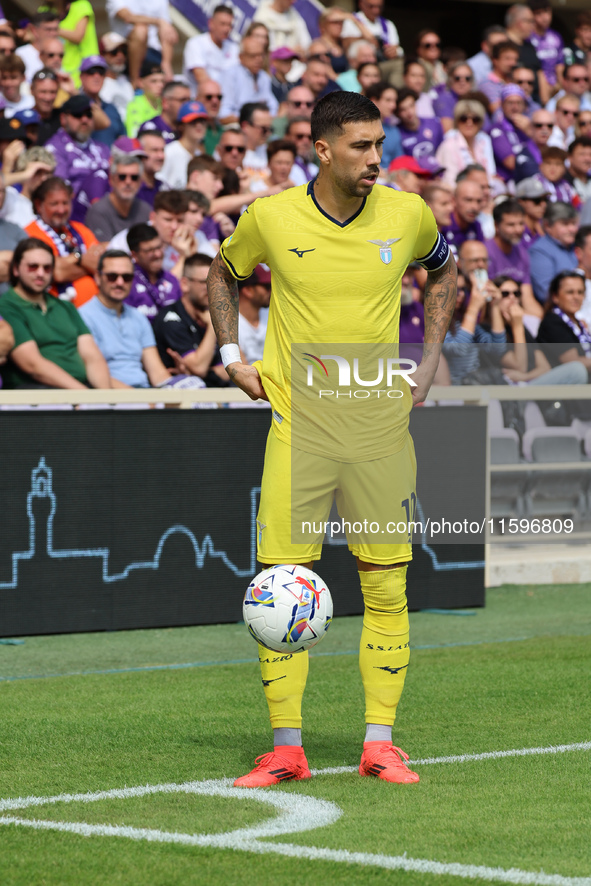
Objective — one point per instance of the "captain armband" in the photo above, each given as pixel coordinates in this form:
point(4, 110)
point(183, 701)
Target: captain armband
point(437, 257)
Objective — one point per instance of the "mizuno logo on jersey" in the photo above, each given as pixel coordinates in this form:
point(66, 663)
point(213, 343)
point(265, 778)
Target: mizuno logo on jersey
point(390, 670)
point(301, 252)
point(266, 682)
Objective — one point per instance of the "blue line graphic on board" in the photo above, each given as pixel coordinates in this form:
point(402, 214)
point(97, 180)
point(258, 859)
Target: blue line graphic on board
point(41, 488)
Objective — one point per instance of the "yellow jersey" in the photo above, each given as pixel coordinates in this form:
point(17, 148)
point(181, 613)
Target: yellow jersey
point(334, 283)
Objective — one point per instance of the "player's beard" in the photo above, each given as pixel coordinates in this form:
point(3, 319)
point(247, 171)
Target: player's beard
point(353, 185)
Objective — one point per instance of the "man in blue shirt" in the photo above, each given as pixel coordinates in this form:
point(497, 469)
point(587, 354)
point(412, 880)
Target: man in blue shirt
point(555, 252)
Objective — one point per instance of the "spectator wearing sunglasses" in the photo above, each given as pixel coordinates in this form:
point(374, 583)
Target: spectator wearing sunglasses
point(460, 83)
point(124, 336)
point(44, 91)
point(76, 152)
point(466, 143)
point(117, 87)
point(210, 95)
point(108, 124)
point(566, 114)
point(299, 103)
point(575, 81)
point(533, 198)
point(299, 131)
point(231, 148)
point(542, 124)
point(120, 208)
point(42, 26)
point(51, 55)
point(525, 78)
point(428, 49)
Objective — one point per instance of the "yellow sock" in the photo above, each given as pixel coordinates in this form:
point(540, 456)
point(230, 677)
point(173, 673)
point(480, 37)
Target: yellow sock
point(284, 680)
point(384, 651)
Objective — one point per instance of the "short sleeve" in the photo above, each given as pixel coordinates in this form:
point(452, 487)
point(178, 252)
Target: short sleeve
point(244, 249)
point(431, 248)
point(76, 319)
point(20, 329)
point(145, 331)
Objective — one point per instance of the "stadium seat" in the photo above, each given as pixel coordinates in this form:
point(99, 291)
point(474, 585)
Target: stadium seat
point(506, 489)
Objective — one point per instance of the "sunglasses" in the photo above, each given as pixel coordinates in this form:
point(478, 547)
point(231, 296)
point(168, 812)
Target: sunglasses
point(214, 95)
point(524, 82)
point(566, 112)
point(544, 125)
point(303, 104)
point(507, 292)
point(240, 148)
point(47, 269)
point(467, 78)
point(54, 54)
point(301, 136)
point(128, 176)
point(434, 45)
point(579, 79)
point(45, 75)
point(537, 200)
point(81, 115)
point(465, 118)
point(92, 71)
point(584, 123)
point(264, 130)
point(112, 277)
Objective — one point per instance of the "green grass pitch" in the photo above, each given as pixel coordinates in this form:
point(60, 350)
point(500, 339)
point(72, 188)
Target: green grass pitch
point(99, 712)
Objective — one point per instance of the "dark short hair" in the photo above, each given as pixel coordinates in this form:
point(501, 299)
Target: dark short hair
point(507, 207)
point(294, 120)
point(141, 233)
point(12, 64)
point(51, 184)
point(465, 173)
point(197, 197)
point(335, 110)
point(111, 253)
point(169, 86)
point(506, 46)
point(493, 29)
point(376, 91)
point(197, 260)
point(538, 5)
point(583, 141)
point(583, 20)
point(170, 201)
point(362, 67)
point(247, 111)
point(407, 92)
point(581, 236)
point(554, 288)
point(221, 8)
point(43, 18)
point(26, 246)
point(413, 60)
point(204, 163)
point(281, 144)
point(552, 152)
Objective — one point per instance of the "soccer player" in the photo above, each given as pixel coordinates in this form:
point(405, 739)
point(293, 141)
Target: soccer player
point(337, 249)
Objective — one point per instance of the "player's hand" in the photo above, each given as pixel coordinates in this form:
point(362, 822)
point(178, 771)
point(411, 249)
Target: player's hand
point(423, 379)
point(247, 378)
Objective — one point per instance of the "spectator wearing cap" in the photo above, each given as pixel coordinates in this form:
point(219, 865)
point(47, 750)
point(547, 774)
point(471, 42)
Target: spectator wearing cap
point(410, 175)
point(120, 208)
point(552, 176)
point(192, 120)
point(508, 254)
point(247, 82)
point(44, 90)
point(12, 78)
point(525, 78)
point(466, 143)
point(29, 120)
point(464, 219)
point(419, 138)
point(285, 25)
point(153, 288)
point(210, 95)
point(148, 103)
point(150, 36)
point(11, 132)
point(504, 59)
point(174, 94)
point(282, 60)
point(92, 76)
point(554, 252)
point(42, 26)
point(184, 331)
point(578, 172)
point(533, 197)
point(547, 43)
point(209, 55)
point(76, 152)
point(75, 247)
point(516, 155)
point(78, 31)
point(117, 88)
point(123, 334)
point(254, 296)
point(384, 96)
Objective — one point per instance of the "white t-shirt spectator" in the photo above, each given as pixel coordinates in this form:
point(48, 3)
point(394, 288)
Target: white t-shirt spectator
point(154, 8)
point(31, 58)
point(176, 161)
point(23, 104)
point(252, 338)
point(285, 28)
point(382, 28)
point(17, 208)
point(202, 52)
point(118, 92)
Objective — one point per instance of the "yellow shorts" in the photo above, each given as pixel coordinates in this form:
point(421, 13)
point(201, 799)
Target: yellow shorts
point(375, 500)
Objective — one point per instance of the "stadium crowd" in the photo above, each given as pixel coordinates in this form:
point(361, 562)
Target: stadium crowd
point(120, 178)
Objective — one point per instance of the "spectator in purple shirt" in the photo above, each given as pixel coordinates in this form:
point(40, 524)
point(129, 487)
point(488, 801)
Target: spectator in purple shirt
point(504, 57)
point(73, 147)
point(506, 252)
point(464, 224)
point(174, 94)
point(459, 84)
point(516, 155)
point(533, 198)
point(552, 175)
point(419, 138)
point(548, 44)
point(153, 288)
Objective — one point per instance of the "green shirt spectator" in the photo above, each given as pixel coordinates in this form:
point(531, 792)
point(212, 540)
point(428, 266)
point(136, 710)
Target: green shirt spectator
point(139, 110)
point(78, 32)
point(55, 331)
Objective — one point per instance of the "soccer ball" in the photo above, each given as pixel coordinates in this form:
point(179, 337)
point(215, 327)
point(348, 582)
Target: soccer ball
point(287, 608)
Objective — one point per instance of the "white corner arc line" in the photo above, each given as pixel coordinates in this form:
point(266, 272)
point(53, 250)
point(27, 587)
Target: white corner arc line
point(468, 758)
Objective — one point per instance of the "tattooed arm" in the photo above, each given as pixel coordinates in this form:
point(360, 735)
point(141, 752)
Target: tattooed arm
point(223, 307)
point(440, 301)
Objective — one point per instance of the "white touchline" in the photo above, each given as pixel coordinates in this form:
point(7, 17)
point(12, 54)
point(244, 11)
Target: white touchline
point(297, 813)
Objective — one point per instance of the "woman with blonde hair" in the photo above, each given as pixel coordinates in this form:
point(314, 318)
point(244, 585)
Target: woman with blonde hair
point(466, 143)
